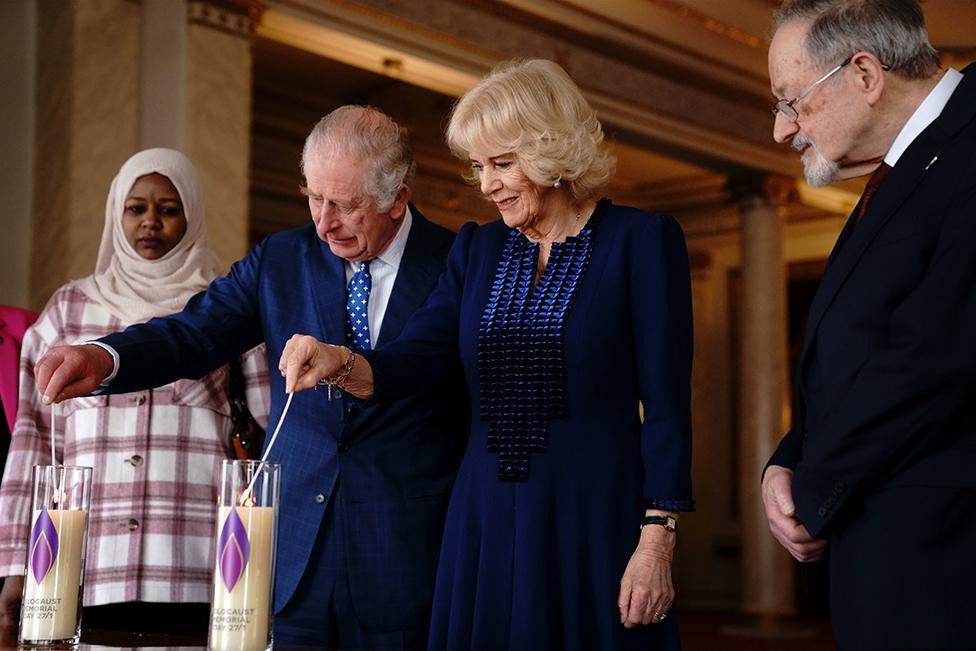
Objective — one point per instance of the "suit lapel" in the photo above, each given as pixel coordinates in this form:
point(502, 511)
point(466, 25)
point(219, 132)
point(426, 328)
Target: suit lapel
point(328, 287)
point(855, 240)
point(920, 157)
point(419, 268)
point(844, 234)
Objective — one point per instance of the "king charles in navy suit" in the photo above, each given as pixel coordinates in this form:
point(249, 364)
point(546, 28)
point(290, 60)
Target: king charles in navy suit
point(877, 470)
point(364, 488)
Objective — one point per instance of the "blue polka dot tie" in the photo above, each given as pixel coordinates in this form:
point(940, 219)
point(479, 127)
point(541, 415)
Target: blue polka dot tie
point(357, 312)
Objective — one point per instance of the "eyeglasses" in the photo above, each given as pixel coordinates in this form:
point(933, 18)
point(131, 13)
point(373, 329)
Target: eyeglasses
point(787, 109)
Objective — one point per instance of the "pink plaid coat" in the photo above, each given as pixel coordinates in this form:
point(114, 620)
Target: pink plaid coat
point(155, 456)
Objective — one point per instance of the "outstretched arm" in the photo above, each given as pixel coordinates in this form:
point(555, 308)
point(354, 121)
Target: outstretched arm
point(71, 371)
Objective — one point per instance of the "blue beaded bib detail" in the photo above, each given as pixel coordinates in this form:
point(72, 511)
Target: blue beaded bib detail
point(520, 345)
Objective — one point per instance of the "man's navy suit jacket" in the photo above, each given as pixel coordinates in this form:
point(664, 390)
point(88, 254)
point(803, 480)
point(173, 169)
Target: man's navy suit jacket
point(886, 385)
point(391, 464)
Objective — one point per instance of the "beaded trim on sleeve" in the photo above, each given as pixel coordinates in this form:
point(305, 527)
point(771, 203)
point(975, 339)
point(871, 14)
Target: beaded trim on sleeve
point(668, 503)
point(520, 346)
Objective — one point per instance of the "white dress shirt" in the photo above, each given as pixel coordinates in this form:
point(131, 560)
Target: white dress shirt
point(924, 115)
point(383, 271)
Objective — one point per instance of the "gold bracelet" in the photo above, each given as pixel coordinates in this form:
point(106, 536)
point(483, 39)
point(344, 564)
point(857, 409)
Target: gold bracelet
point(338, 380)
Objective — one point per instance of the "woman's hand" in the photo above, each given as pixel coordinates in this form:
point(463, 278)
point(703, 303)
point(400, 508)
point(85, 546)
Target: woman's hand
point(646, 591)
point(305, 361)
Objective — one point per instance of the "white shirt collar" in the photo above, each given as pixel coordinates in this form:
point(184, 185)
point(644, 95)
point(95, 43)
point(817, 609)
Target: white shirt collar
point(924, 115)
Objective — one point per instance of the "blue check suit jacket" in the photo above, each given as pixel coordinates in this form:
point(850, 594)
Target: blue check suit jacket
point(392, 465)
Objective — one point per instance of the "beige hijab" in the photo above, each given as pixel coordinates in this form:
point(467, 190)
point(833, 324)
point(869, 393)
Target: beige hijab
point(126, 284)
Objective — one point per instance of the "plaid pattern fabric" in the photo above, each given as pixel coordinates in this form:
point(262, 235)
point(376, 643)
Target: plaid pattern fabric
point(155, 456)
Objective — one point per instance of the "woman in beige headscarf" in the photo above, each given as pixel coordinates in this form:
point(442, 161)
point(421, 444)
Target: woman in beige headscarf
point(155, 453)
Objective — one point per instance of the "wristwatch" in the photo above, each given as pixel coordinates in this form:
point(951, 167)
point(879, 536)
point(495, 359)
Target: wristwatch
point(665, 521)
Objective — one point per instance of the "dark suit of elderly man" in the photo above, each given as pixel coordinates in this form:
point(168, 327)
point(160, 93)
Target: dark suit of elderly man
point(878, 468)
point(364, 489)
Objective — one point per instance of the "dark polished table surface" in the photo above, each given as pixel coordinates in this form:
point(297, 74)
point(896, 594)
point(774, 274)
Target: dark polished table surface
point(700, 631)
point(93, 639)
point(96, 639)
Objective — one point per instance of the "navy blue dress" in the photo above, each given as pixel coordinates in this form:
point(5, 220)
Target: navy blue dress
point(558, 469)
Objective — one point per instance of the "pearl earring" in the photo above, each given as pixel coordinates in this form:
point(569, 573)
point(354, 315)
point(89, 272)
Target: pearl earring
point(558, 182)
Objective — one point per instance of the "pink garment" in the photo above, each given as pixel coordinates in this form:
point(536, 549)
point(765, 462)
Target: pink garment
point(155, 455)
point(13, 323)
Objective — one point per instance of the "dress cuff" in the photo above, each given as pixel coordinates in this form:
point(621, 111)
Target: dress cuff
point(668, 503)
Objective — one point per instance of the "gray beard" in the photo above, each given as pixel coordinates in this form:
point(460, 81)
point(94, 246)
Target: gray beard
point(817, 170)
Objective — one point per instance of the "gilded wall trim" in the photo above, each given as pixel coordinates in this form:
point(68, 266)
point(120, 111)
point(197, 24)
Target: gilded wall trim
point(237, 17)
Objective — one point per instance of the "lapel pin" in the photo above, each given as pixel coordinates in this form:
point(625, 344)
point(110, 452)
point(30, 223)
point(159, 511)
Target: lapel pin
point(932, 162)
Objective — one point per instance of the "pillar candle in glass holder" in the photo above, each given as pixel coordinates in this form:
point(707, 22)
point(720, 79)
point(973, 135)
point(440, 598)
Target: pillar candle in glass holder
point(240, 617)
point(51, 612)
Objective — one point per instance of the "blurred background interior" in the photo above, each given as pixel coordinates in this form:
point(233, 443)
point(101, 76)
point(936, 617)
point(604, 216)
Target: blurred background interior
point(680, 86)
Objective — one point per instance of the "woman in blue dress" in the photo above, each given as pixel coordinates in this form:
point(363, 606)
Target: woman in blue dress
point(567, 314)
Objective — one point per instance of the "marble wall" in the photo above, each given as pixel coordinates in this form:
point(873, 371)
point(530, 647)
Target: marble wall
point(17, 43)
point(86, 126)
point(97, 88)
point(217, 132)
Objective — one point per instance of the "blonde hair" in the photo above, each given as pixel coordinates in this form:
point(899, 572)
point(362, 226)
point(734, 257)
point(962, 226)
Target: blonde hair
point(535, 111)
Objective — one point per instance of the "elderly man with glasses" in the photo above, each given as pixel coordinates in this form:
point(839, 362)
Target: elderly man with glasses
point(877, 470)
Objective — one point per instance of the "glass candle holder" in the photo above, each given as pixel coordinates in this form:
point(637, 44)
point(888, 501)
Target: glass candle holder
point(247, 524)
point(50, 613)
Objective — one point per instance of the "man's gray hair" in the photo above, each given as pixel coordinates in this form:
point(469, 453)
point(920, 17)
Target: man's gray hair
point(366, 133)
point(892, 30)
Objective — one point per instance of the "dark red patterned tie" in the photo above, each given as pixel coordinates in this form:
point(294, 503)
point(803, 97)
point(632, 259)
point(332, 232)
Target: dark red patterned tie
point(873, 184)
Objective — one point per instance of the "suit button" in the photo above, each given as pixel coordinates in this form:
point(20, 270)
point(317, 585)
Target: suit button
point(320, 498)
point(132, 524)
point(343, 446)
point(822, 511)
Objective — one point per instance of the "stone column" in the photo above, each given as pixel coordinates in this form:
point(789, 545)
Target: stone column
point(162, 73)
point(767, 569)
point(217, 131)
point(86, 126)
point(18, 44)
point(116, 76)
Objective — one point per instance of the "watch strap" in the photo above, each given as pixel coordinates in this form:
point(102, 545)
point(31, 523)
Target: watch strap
point(665, 521)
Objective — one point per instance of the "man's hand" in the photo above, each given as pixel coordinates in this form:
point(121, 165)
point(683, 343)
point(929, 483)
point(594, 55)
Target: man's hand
point(777, 495)
point(305, 361)
point(13, 588)
point(71, 371)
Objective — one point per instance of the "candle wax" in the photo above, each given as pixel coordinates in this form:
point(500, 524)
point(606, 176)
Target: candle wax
point(240, 614)
point(50, 607)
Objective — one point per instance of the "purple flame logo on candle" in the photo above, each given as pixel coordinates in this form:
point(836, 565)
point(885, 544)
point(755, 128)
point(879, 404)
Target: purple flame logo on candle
point(233, 550)
point(43, 546)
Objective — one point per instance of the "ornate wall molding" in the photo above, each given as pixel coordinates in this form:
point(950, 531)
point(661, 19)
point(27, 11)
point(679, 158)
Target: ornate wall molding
point(238, 17)
point(460, 41)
